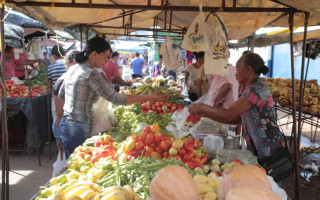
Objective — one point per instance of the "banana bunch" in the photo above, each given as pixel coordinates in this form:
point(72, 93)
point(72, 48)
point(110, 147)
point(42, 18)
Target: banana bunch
point(207, 186)
point(119, 193)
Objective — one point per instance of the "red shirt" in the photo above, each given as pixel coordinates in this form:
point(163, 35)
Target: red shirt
point(21, 61)
point(111, 70)
point(10, 68)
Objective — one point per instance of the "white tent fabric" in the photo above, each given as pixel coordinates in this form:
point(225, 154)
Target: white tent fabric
point(239, 24)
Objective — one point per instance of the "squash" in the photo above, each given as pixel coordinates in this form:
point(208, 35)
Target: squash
point(251, 192)
point(242, 175)
point(173, 182)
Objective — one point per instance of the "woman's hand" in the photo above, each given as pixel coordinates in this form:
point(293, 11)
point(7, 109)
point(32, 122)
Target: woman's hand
point(156, 96)
point(197, 109)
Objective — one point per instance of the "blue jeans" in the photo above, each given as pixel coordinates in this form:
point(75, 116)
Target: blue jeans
point(72, 134)
point(55, 130)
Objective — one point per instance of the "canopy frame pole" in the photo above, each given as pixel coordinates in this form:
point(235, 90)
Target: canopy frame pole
point(306, 18)
point(294, 126)
point(170, 24)
point(48, 95)
point(80, 37)
point(35, 130)
point(131, 19)
point(234, 4)
point(223, 4)
point(123, 18)
point(87, 38)
point(4, 127)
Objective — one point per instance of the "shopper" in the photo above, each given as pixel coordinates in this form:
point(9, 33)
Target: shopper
point(137, 65)
point(112, 72)
point(82, 86)
point(254, 108)
point(55, 71)
point(192, 76)
point(9, 61)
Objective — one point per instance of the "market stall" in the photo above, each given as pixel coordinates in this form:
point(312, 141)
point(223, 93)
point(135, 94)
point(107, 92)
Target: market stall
point(129, 18)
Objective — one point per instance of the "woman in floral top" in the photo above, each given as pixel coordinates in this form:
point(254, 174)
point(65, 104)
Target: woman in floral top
point(254, 108)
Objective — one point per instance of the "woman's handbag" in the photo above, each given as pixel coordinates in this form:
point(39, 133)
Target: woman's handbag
point(280, 164)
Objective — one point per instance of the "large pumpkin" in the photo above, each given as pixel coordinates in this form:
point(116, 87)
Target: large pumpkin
point(242, 175)
point(173, 182)
point(251, 192)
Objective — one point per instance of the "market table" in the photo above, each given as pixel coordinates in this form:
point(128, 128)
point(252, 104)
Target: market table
point(16, 106)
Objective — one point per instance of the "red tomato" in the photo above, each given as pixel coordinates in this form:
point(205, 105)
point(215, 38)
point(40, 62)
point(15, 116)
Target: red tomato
point(108, 148)
point(165, 145)
point(188, 146)
point(164, 136)
point(159, 109)
point(157, 138)
point(158, 104)
point(154, 107)
point(143, 135)
point(98, 144)
point(94, 159)
point(158, 149)
point(147, 129)
point(190, 165)
point(139, 145)
point(182, 151)
point(149, 107)
point(173, 110)
point(153, 145)
point(149, 138)
point(180, 107)
point(104, 153)
point(197, 164)
point(166, 111)
point(203, 159)
point(155, 155)
point(177, 157)
point(165, 154)
point(169, 105)
point(188, 156)
point(134, 138)
point(148, 151)
point(149, 103)
point(133, 152)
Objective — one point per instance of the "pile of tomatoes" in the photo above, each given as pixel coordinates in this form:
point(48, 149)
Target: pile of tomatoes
point(152, 143)
point(160, 107)
point(16, 90)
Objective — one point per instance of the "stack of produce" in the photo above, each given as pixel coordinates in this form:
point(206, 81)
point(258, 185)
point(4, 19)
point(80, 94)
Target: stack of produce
point(281, 90)
point(16, 90)
point(175, 96)
point(160, 107)
point(40, 79)
point(105, 169)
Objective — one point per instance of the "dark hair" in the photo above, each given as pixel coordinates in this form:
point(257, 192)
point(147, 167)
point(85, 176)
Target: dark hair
point(160, 56)
point(246, 52)
point(256, 62)
point(7, 49)
point(57, 52)
point(95, 44)
point(137, 54)
point(198, 54)
point(115, 54)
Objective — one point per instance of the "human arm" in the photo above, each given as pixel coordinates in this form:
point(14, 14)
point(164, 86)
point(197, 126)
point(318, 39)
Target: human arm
point(186, 81)
point(121, 82)
point(58, 102)
point(50, 85)
point(106, 90)
point(232, 115)
point(199, 87)
point(223, 92)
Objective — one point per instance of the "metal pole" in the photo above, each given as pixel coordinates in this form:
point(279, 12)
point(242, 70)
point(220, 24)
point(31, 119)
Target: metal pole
point(294, 126)
point(80, 37)
point(48, 95)
point(35, 130)
point(306, 17)
point(4, 129)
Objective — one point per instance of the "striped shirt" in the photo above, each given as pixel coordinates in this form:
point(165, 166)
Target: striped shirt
point(56, 70)
point(81, 88)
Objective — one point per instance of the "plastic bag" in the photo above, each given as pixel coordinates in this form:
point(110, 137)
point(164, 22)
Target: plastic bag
point(168, 54)
point(276, 189)
point(59, 164)
point(197, 36)
point(216, 59)
point(101, 112)
point(246, 157)
point(213, 144)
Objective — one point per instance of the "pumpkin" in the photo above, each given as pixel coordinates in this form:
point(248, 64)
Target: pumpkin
point(173, 182)
point(251, 192)
point(242, 175)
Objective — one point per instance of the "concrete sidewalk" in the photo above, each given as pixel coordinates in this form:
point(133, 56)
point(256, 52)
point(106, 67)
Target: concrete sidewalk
point(26, 176)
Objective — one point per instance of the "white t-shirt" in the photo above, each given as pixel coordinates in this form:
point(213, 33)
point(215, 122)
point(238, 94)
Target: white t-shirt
point(193, 76)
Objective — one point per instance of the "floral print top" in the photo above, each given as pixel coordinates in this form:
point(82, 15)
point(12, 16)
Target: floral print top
point(260, 122)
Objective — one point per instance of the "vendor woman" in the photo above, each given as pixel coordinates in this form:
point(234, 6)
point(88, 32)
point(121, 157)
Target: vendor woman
point(82, 86)
point(254, 108)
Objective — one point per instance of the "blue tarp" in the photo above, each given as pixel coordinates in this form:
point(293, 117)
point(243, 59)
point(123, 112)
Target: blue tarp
point(22, 20)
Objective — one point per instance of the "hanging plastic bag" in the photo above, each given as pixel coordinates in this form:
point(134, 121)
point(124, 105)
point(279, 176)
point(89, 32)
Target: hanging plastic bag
point(168, 54)
point(197, 36)
point(216, 59)
point(59, 164)
point(101, 122)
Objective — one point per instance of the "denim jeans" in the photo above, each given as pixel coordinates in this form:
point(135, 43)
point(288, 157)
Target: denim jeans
point(72, 134)
point(55, 130)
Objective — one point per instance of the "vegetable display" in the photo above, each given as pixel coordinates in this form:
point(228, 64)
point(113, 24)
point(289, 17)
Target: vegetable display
point(16, 90)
